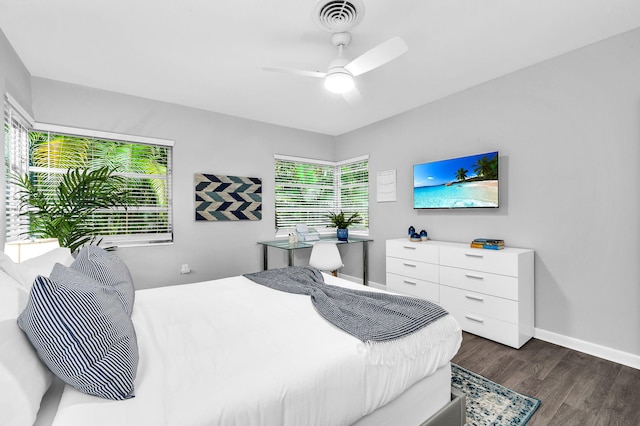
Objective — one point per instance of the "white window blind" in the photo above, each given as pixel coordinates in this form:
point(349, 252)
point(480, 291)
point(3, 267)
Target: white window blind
point(46, 152)
point(307, 190)
point(16, 158)
point(354, 190)
point(144, 163)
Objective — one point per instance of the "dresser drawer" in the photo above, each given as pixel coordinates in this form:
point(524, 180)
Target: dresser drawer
point(503, 262)
point(405, 249)
point(480, 282)
point(479, 305)
point(414, 287)
point(490, 328)
point(411, 268)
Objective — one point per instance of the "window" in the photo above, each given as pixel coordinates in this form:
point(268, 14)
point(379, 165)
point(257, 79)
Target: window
point(17, 123)
point(307, 190)
point(145, 164)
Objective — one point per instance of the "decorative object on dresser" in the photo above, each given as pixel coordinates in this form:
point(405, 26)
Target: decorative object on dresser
point(489, 292)
point(415, 237)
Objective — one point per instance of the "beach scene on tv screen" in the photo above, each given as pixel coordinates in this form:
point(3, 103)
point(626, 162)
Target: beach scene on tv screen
point(470, 181)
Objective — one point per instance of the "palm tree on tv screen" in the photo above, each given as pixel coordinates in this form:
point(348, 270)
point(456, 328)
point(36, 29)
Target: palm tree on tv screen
point(461, 174)
point(487, 169)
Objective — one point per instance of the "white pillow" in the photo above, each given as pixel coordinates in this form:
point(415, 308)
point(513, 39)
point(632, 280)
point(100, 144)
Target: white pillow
point(13, 297)
point(24, 379)
point(26, 272)
point(10, 267)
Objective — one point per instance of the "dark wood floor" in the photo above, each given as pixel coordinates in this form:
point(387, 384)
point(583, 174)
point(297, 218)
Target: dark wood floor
point(574, 388)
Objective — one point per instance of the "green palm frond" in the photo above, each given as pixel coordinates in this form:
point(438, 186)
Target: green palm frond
point(62, 211)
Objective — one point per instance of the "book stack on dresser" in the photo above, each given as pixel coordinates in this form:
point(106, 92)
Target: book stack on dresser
point(487, 243)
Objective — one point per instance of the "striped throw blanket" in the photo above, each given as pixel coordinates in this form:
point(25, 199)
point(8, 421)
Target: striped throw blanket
point(369, 316)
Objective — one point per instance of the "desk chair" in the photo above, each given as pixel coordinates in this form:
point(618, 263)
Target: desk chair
point(326, 257)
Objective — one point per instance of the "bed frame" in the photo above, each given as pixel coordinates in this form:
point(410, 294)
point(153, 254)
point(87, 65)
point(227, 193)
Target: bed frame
point(452, 414)
point(432, 398)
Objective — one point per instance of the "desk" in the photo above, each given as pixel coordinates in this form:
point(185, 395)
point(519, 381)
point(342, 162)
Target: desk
point(284, 244)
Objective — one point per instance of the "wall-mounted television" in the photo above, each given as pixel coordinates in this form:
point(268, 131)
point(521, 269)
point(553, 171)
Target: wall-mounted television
point(457, 183)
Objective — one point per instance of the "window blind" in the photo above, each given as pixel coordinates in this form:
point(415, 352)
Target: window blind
point(16, 158)
point(354, 191)
point(307, 190)
point(145, 165)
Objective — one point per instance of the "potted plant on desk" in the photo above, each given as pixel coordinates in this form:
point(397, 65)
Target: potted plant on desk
point(341, 222)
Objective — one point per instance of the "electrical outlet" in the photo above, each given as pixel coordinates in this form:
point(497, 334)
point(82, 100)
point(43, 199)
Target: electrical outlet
point(184, 269)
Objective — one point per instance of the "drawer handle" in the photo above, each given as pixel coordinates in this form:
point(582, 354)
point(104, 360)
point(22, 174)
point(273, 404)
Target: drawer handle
point(474, 255)
point(478, 298)
point(473, 318)
point(413, 265)
point(475, 277)
point(410, 282)
point(409, 247)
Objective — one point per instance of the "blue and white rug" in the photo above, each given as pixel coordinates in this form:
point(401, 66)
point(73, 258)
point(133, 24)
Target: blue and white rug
point(489, 403)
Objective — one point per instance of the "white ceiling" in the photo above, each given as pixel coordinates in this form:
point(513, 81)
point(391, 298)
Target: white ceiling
point(209, 54)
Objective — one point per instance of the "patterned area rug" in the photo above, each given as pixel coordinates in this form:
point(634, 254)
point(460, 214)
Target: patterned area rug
point(489, 403)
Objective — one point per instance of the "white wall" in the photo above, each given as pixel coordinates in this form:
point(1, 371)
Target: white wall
point(568, 132)
point(205, 142)
point(15, 79)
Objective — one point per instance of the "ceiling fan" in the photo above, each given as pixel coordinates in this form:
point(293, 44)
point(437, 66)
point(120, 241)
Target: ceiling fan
point(336, 16)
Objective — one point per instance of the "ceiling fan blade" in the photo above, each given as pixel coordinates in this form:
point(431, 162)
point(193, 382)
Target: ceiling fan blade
point(379, 55)
point(353, 96)
point(304, 73)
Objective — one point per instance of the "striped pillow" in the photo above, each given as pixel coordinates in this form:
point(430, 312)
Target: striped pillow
point(82, 333)
point(107, 269)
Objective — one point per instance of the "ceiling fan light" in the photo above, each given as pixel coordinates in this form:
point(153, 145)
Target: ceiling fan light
point(339, 82)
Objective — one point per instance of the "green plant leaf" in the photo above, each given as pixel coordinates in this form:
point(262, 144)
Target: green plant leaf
point(62, 211)
point(340, 221)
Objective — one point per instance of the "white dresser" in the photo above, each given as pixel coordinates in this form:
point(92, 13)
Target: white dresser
point(489, 292)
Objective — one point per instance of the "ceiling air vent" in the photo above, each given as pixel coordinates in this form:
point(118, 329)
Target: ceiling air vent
point(338, 15)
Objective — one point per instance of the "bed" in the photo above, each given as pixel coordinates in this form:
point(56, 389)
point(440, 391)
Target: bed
point(232, 352)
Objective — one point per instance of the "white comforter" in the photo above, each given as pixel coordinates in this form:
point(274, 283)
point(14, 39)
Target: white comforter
point(232, 352)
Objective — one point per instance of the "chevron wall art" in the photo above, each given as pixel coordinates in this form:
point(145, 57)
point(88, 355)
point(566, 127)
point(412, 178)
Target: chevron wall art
point(220, 197)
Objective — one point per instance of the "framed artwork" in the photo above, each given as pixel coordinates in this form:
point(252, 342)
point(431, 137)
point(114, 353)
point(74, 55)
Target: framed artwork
point(223, 198)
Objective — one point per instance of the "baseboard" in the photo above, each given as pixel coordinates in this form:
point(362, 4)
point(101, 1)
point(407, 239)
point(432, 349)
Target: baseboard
point(600, 351)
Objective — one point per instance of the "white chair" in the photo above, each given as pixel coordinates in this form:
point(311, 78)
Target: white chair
point(326, 257)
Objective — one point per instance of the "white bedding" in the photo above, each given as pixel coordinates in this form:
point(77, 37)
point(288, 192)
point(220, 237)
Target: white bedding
point(232, 352)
